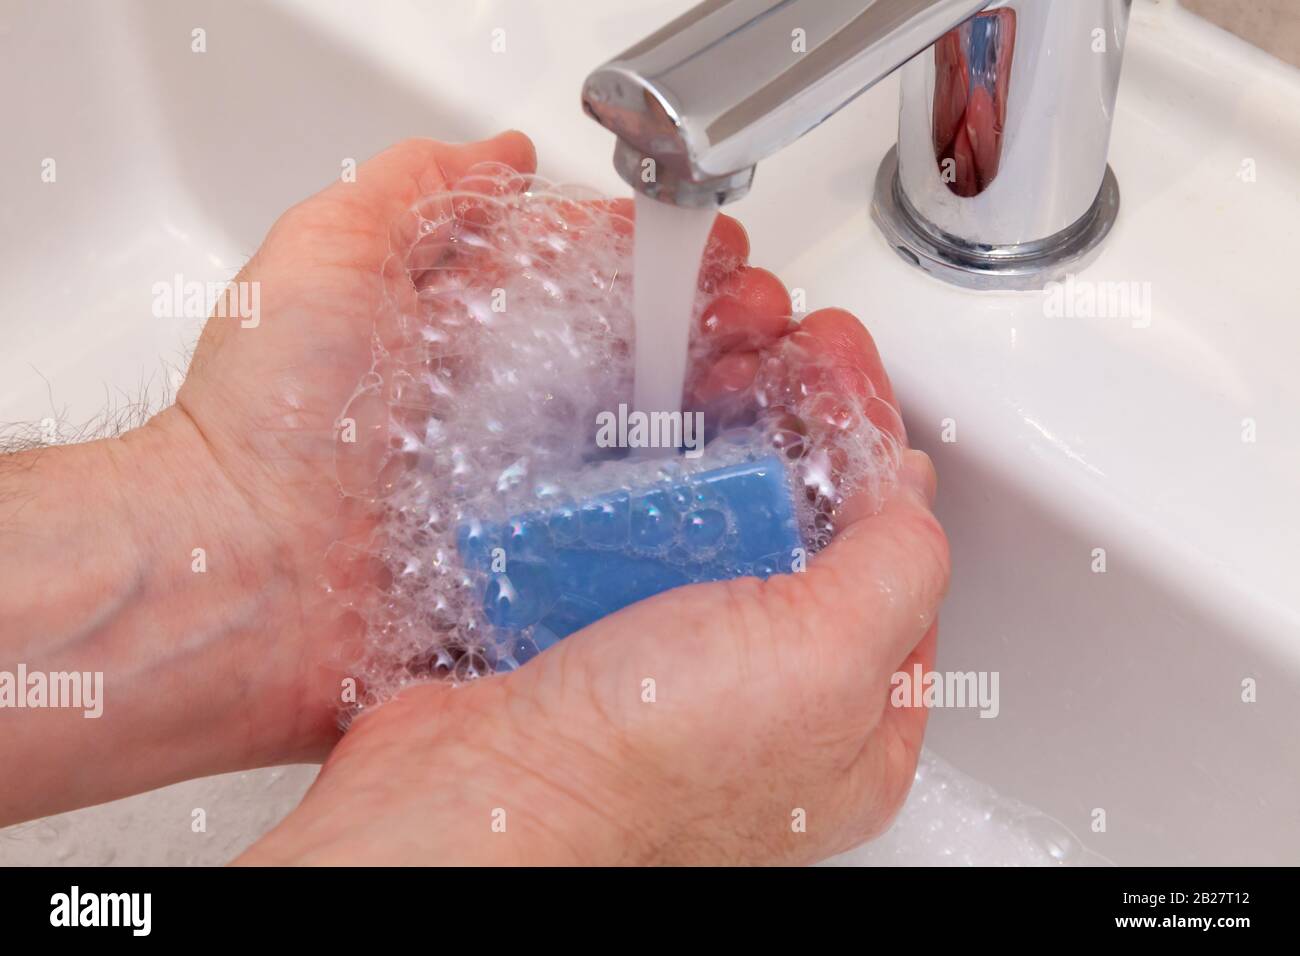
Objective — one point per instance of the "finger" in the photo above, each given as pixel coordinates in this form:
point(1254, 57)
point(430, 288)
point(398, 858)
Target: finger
point(401, 215)
point(731, 376)
point(833, 356)
point(751, 311)
point(724, 390)
point(399, 176)
point(839, 337)
point(726, 251)
point(407, 186)
point(563, 212)
point(511, 148)
point(916, 471)
point(379, 204)
point(833, 341)
point(890, 569)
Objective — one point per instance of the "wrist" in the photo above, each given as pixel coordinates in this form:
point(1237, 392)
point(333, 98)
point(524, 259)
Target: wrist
point(227, 585)
point(128, 558)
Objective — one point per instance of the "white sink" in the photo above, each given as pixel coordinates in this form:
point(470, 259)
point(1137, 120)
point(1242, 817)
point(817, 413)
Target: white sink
point(1120, 691)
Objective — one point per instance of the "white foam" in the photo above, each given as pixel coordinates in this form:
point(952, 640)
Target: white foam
point(950, 819)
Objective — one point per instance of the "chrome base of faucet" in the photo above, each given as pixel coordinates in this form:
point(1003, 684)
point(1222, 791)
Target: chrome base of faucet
point(1024, 266)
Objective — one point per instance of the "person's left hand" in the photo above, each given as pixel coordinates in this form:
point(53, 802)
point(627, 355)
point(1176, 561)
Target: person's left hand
point(257, 416)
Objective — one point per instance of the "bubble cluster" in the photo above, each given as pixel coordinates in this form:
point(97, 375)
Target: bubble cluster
point(951, 819)
point(505, 331)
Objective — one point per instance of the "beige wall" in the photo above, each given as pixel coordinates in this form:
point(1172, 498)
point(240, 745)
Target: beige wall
point(1273, 25)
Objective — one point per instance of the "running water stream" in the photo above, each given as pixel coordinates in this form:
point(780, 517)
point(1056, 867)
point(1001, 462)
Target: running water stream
point(669, 244)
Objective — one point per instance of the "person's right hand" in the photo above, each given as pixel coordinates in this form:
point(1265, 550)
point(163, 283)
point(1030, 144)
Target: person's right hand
point(768, 737)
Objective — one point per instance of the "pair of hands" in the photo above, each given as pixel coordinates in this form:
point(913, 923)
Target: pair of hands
point(770, 738)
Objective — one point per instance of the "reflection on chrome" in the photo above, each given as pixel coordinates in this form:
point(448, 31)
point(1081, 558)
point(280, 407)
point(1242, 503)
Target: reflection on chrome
point(972, 76)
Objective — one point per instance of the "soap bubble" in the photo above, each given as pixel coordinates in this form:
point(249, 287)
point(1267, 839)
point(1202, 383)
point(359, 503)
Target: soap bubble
point(506, 327)
point(951, 819)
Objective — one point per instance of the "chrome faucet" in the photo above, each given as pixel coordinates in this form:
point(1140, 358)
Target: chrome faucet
point(999, 177)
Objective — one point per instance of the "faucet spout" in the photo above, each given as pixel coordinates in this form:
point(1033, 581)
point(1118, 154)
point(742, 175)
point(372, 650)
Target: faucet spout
point(697, 104)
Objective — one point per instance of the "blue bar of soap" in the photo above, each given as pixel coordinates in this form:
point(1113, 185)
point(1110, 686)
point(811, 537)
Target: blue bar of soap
point(548, 573)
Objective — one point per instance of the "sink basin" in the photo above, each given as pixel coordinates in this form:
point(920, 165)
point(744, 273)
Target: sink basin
point(1162, 437)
